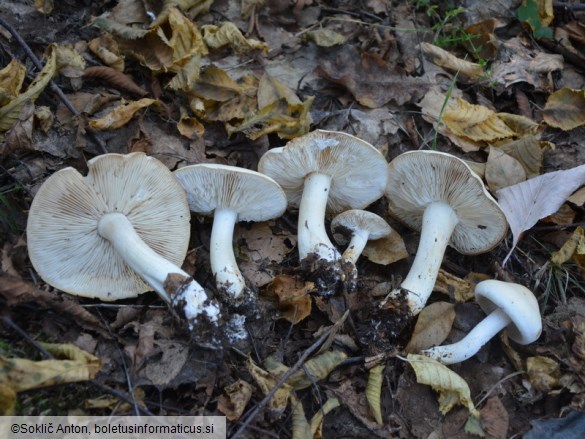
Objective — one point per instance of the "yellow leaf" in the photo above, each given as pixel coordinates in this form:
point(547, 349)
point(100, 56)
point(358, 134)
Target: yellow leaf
point(44, 6)
point(186, 76)
point(11, 79)
point(300, 427)
point(325, 37)
point(216, 85)
point(317, 368)
point(266, 382)
point(189, 126)
point(228, 34)
point(238, 396)
point(9, 112)
point(432, 326)
point(448, 61)
point(451, 387)
point(459, 289)
point(386, 250)
point(120, 115)
point(317, 419)
point(476, 122)
point(528, 150)
point(107, 50)
point(271, 89)
point(185, 41)
point(565, 109)
point(568, 249)
point(374, 391)
point(293, 296)
point(7, 399)
point(543, 373)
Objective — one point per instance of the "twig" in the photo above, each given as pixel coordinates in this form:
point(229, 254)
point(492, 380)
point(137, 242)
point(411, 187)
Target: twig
point(280, 382)
point(571, 6)
point(54, 86)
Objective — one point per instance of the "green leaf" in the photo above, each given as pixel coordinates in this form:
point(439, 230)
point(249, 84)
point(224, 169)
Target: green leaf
point(529, 13)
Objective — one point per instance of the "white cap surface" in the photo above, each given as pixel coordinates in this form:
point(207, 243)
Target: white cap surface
point(358, 171)
point(355, 220)
point(254, 196)
point(519, 304)
point(63, 242)
point(418, 178)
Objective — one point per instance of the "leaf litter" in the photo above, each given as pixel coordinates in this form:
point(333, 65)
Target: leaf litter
point(213, 82)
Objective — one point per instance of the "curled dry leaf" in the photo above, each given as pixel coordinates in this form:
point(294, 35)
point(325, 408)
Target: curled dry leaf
point(300, 426)
point(237, 396)
point(316, 369)
point(495, 418)
point(374, 391)
point(449, 61)
point(228, 34)
point(107, 50)
point(293, 296)
point(317, 419)
point(461, 290)
point(543, 373)
point(121, 115)
point(325, 37)
point(386, 250)
point(451, 387)
point(565, 109)
point(115, 78)
point(528, 150)
point(527, 202)
point(502, 170)
point(266, 381)
point(432, 326)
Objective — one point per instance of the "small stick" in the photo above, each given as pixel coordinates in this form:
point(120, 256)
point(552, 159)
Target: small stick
point(54, 86)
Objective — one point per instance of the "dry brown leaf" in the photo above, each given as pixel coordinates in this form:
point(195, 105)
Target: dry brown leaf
point(386, 250)
point(543, 373)
point(293, 296)
point(569, 248)
point(578, 198)
point(270, 90)
point(449, 61)
point(216, 85)
point(106, 49)
point(11, 80)
point(527, 202)
point(565, 109)
point(432, 326)
point(189, 126)
point(483, 44)
point(115, 78)
point(502, 170)
point(228, 34)
point(461, 290)
point(325, 37)
point(121, 115)
point(495, 419)
point(563, 216)
point(451, 387)
point(317, 419)
point(528, 150)
point(233, 404)
point(266, 382)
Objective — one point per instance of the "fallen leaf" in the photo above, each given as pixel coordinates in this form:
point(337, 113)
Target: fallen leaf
point(461, 290)
point(300, 426)
point(189, 126)
point(316, 369)
point(106, 49)
point(317, 419)
point(578, 198)
point(563, 216)
point(11, 80)
point(270, 90)
point(386, 250)
point(483, 43)
point(569, 248)
point(528, 151)
point(527, 202)
point(543, 373)
point(293, 296)
point(228, 34)
point(114, 78)
point(449, 61)
point(451, 387)
point(432, 326)
point(266, 382)
point(374, 391)
point(121, 115)
point(233, 404)
point(325, 37)
point(538, 14)
point(565, 109)
point(502, 170)
point(495, 419)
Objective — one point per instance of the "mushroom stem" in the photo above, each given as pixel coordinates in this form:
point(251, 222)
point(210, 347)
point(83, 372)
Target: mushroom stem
point(312, 236)
point(152, 267)
point(356, 246)
point(223, 262)
point(439, 221)
point(472, 342)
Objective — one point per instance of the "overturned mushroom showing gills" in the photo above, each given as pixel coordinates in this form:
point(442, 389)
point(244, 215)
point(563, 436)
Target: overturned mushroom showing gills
point(362, 226)
point(230, 194)
point(325, 171)
point(118, 232)
point(507, 305)
point(438, 194)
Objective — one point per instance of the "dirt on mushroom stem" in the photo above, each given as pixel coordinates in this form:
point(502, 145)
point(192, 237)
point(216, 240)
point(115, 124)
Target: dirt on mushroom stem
point(330, 277)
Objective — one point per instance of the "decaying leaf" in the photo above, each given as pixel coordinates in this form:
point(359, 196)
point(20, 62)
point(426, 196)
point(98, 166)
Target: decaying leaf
point(266, 381)
point(115, 78)
point(106, 49)
point(300, 426)
point(538, 14)
point(325, 37)
point(233, 404)
point(451, 387)
point(189, 126)
point(563, 216)
point(528, 151)
point(461, 290)
point(569, 248)
point(317, 419)
point(495, 418)
point(293, 296)
point(11, 79)
point(476, 122)
point(527, 202)
point(502, 170)
point(432, 326)
point(578, 198)
point(543, 373)
point(450, 62)
point(121, 115)
point(19, 374)
point(228, 34)
point(565, 109)
point(270, 90)
point(386, 250)
point(374, 391)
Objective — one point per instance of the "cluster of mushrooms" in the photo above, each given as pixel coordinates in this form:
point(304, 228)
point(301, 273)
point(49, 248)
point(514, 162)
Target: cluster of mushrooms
point(124, 228)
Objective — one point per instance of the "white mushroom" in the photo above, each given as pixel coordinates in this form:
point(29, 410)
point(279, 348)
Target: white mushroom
point(118, 232)
point(362, 226)
point(325, 171)
point(507, 305)
point(438, 194)
point(231, 194)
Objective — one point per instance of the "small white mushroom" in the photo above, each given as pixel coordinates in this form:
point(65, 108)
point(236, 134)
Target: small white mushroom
point(118, 232)
point(438, 194)
point(362, 226)
point(506, 305)
point(325, 171)
point(230, 194)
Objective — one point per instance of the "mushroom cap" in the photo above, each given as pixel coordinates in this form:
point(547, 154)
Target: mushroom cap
point(255, 196)
point(517, 302)
point(358, 171)
point(418, 178)
point(355, 220)
point(62, 231)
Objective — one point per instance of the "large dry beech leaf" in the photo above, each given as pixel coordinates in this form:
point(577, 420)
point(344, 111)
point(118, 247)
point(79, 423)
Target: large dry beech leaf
point(502, 170)
point(565, 109)
point(451, 387)
point(527, 202)
point(432, 326)
point(449, 61)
